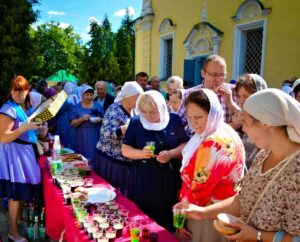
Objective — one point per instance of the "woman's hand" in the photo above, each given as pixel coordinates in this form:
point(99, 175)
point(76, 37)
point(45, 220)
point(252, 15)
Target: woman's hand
point(30, 126)
point(164, 156)
point(226, 93)
point(85, 117)
point(247, 233)
point(237, 120)
point(192, 211)
point(146, 153)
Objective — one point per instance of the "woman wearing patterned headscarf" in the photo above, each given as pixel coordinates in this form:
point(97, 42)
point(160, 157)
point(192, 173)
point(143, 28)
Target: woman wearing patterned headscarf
point(213, 161)
point(154, 175)
point(109, 161)
point(247, 85)
point(268, 202)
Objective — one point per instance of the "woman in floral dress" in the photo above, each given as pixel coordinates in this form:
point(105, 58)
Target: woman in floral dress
point(213, 161)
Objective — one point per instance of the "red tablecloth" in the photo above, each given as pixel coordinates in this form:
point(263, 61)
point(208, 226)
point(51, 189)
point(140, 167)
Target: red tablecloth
point(60, 217)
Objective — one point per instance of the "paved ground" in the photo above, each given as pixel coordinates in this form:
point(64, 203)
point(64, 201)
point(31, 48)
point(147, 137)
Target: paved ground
point(3, 221)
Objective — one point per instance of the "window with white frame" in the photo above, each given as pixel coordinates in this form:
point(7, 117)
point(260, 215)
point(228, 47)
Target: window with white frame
point(166, 60)
point(249, 48)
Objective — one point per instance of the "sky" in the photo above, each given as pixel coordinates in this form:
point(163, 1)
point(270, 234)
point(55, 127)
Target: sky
point(79, 13)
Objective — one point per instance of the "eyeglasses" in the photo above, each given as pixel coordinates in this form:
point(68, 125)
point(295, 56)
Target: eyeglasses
point(217, 75)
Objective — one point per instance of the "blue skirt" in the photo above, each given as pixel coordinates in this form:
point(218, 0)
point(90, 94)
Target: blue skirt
point(154, 188)
point(114, 171)
point(20, 176)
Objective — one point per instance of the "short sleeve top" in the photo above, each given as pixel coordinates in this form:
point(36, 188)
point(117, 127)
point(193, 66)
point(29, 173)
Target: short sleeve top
point(279, 208)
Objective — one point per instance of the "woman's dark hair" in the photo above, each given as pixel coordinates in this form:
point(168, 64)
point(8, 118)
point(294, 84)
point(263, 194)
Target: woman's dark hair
point(296, 90)
point(200, 99)
point(247, 82)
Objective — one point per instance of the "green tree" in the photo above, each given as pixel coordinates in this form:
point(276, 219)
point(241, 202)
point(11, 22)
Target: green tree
point(17, 52)
point(57, 48)
point(125, 40)
point(101, 62)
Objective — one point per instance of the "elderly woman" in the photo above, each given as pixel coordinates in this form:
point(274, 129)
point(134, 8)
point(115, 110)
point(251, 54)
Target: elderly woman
point(213, 161)
point(109, 161)
point(86, 118)
point(247, 85)
point(175, 100)
point(268, 202)
point(154, 175)
point(20, 176)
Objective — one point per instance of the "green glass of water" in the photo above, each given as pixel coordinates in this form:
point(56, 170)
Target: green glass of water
point(151, 146)
point(178, 218)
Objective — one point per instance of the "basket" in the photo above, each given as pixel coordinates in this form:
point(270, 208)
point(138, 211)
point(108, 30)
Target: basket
point(49, 108)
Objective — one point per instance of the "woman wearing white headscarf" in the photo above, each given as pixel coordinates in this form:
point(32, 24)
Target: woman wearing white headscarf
point(154, 175)
point(268, 203)
point(109, 161)
point(247, 85)
point(213, 161)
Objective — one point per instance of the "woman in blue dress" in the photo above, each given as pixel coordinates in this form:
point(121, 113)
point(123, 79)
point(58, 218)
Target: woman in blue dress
point(20, 176)
point(86, 118)
point(154, 178)
point(109, 161)
point(64, 130)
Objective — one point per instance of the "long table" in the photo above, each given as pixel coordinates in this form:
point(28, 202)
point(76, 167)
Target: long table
point(60, 218)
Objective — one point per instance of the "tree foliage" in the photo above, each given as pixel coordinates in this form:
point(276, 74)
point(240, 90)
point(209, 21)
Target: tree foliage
point(101, 60)
point(125, 40)
point(57, 48)
point(17, 52)
point(39, 52)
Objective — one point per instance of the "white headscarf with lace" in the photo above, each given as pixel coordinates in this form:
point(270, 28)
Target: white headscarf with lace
point(214, 120)
point(160, 102)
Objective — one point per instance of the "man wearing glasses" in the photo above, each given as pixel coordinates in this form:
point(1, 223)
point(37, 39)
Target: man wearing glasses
point(214, 74)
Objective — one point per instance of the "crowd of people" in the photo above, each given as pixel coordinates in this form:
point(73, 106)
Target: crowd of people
point(213, 148)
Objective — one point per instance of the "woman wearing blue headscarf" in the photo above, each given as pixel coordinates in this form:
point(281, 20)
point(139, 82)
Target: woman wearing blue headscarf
point(64, 130)
point(86, 119)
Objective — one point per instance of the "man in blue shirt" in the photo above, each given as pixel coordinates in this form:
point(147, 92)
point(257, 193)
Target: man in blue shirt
point(103, 97)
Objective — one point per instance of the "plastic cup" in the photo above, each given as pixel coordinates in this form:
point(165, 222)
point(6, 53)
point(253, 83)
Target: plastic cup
point(145, 226)
point(178, 218)
point(118, 225)
point(103, 239)
point(110, 233)
point(151, 146)
point(97, 235)
point(134, 231)
point(88, 182)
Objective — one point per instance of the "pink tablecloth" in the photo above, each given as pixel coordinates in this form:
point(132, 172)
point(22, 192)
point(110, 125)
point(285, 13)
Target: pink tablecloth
point(60, 217)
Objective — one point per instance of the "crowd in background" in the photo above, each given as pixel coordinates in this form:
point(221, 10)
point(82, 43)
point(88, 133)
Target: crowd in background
point(218, 147)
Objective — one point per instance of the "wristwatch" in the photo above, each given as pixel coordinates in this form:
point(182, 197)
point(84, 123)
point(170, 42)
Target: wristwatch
point(258, 236)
